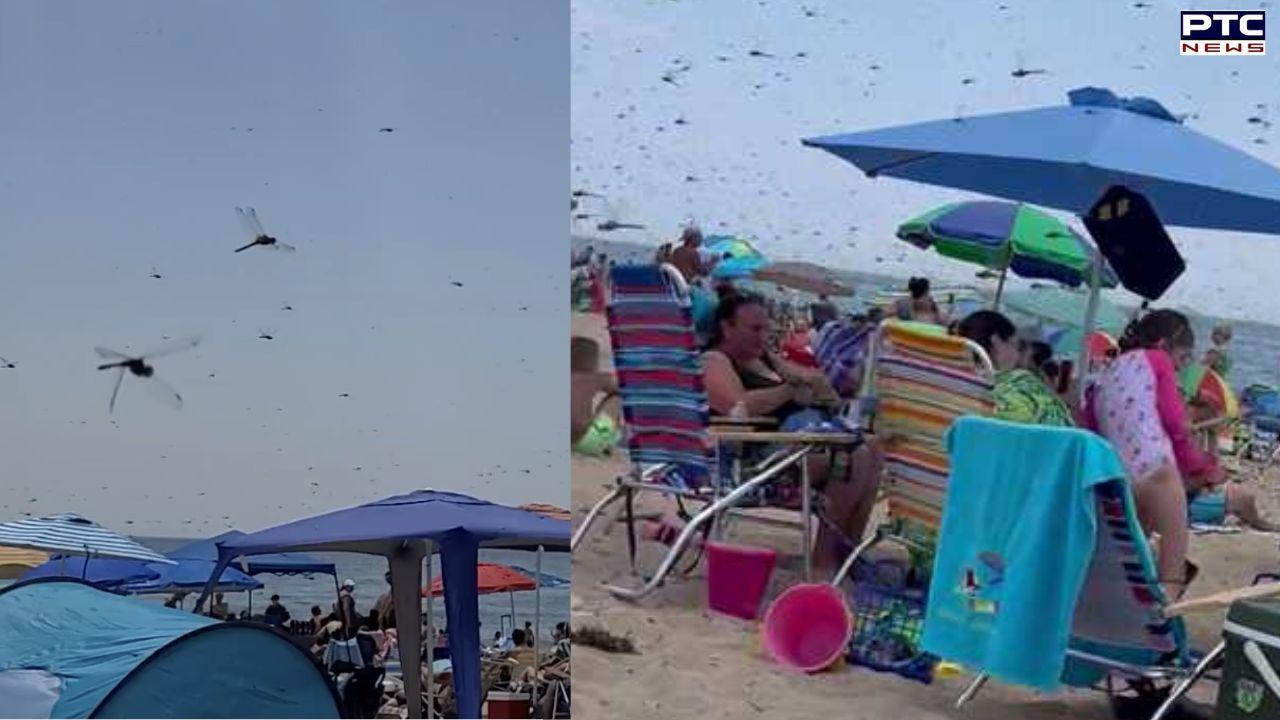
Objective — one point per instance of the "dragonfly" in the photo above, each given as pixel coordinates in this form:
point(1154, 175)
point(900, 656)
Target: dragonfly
point(140, 367)
point(249, 218)
point(615, 211)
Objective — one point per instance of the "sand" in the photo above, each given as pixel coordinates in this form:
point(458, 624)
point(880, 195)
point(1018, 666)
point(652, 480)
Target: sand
point(694, 665)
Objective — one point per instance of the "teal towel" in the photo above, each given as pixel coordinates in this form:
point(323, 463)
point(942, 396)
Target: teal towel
point(1018, 532)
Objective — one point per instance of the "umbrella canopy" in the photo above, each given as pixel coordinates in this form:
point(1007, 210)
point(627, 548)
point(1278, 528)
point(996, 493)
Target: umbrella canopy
point(273, 564)
point(735, 257)
point(142, 578)
point(71, 534)
point(1202, 385)
point(1064, 311)
point(803, 276)
point(109, 574)
point(405, 529)
point(1007, 236)
point(1065, 157)
point(490, 578)
point(15, 561)
point(546, 580)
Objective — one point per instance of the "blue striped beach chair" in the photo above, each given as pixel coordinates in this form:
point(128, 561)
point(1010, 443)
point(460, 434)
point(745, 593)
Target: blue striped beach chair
point(667, 420)
point(1124, 637)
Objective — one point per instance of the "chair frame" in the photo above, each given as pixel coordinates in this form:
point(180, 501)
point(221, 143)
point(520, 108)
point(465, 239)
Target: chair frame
point(716, 506)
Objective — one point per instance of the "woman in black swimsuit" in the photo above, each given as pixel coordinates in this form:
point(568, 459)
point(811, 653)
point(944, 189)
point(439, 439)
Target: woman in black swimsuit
point(740, 373)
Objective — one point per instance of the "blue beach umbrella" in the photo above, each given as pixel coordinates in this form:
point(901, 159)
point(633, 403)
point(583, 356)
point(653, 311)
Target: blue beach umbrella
point(1068, 156)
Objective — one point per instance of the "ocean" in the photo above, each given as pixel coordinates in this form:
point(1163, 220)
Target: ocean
point(298, 593)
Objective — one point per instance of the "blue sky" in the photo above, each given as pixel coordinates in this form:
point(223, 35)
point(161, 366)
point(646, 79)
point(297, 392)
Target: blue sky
point(126, 143)
point(838, 67)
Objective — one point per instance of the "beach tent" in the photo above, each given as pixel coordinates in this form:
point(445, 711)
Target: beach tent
point(196, 560)
point(406, 529)
point(273, 564)
point(71, 650)
point(15, 561)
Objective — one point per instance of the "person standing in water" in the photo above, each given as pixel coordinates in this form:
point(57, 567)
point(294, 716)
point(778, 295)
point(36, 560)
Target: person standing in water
point(920, 305)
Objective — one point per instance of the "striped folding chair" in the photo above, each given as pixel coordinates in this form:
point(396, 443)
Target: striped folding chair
point(667, 418)
point(918, 381)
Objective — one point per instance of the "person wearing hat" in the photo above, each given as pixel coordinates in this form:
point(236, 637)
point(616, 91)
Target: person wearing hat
point(346, 608)
point(275, 615)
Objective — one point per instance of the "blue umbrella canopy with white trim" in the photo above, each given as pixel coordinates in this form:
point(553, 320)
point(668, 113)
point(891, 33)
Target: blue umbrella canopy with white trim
point(70, 534)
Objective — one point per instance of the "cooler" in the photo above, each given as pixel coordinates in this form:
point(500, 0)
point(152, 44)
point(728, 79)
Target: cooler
point(508, 705)
point(1250, 687)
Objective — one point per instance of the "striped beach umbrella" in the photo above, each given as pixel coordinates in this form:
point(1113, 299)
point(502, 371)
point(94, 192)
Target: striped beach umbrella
point(70, 534)
point(1007, 237)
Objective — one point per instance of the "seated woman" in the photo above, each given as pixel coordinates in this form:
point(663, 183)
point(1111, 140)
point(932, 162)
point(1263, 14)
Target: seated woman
point(593, 430)
point(741, 374)
point(1136, 406)
point(1020, 394)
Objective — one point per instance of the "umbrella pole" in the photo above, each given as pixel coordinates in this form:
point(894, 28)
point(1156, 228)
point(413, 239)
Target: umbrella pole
point(431, 643)
point(1090, 318)
point(1000, 289)
point(512, 594)
point(537, 621)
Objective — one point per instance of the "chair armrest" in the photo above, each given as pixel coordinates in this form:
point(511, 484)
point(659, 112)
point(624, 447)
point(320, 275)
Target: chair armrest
point(725, 420)
point(1222, 599)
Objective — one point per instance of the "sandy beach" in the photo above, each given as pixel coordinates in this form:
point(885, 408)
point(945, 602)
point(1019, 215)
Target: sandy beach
point(693, 665)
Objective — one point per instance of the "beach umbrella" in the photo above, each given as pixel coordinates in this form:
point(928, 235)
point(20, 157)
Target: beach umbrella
point(406, 529)
point(1065, 310)
point(491, 578)
point(804, 276)
point(735, 257)
point(70, 534)
point(1067, 157)
point(15, 561)
point(1198, 382)
point(1003, 237)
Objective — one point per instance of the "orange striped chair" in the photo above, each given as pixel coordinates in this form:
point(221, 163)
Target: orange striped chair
point(918, 381)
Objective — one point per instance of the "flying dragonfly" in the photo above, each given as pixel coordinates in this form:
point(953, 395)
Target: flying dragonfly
point(613, 219)
point(140, 367)
point(249, 218)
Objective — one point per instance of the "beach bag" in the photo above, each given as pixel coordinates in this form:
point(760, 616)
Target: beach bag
point(888, 621)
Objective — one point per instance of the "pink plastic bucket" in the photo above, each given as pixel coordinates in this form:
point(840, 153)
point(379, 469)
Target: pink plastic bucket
point(808, 627)
point(737, 578)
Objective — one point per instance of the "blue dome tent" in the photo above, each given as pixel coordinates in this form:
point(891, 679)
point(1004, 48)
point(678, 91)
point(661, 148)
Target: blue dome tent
point(71, 650)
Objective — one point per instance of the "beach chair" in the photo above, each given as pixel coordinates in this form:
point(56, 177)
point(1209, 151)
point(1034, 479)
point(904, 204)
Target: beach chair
point(1122, 630)
point(670, 442)
point(918, 381)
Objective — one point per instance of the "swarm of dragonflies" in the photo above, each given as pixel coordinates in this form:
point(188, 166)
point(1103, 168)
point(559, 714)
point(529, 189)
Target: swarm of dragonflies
point(249, 218)
point(140, 367)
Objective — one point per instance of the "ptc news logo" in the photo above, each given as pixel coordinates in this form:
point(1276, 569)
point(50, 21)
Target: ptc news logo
point(1223, 32)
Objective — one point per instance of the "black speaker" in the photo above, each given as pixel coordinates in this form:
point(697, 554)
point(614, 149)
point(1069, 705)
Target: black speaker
point(1132, 238)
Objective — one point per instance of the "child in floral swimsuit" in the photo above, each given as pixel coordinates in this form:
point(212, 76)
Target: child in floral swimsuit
point(1136, 406)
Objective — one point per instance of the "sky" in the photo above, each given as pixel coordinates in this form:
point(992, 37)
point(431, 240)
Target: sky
point(132, 130)
point(696, 110)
